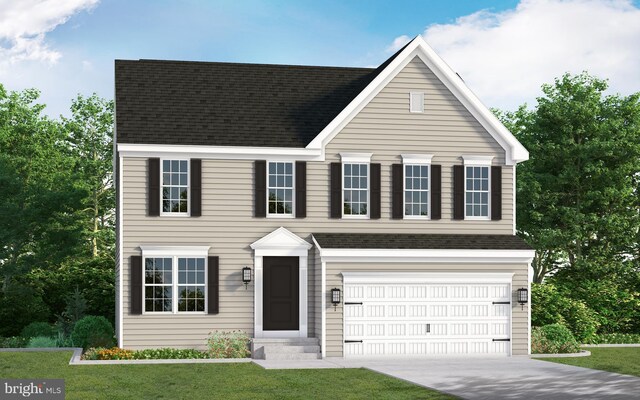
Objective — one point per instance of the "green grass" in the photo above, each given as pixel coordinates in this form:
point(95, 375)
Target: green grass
point(206, 381)
point(623, 360)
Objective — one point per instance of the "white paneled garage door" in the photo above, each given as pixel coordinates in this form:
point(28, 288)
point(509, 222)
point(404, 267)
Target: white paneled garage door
point(412, 316)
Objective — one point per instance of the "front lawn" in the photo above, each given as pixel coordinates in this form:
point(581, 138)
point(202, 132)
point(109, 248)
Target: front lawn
point(207, 381)
point(623, 360)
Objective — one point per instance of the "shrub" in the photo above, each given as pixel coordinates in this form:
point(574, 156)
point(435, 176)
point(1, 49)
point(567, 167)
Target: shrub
point(41, 341)
point(553, 339)
point(169, 354)
point(116, 353)
point(616, 338)
point(228, 344)
point(13, 342)
point(35, 329)
point(549, 306)
point(92, 331)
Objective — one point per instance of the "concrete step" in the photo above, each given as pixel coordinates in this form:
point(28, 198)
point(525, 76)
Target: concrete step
point(288, 341)
point(271, 349)
point(292, 356)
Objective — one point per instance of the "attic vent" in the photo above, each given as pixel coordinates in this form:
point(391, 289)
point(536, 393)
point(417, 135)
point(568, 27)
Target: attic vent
point(416, 100)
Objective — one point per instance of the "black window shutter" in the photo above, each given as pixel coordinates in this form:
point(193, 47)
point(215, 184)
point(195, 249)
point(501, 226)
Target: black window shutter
point(436, 191)
point(336, 190)
point(196, 187)
point(496, 193)
point(375, 194)
point(301, 189)
point(135, 296)
point(458, 192)
point(260, 207)
point(397, 191)
point(213, 286)
point(153, 190)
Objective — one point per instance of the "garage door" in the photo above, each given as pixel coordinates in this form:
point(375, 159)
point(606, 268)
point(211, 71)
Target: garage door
point(439, 319)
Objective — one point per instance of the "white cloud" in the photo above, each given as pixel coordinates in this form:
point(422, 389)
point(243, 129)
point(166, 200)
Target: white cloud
point(25, 23)
point(505, 56)
point(398, 43)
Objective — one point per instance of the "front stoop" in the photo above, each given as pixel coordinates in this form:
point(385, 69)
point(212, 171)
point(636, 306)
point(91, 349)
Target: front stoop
point(285, 349)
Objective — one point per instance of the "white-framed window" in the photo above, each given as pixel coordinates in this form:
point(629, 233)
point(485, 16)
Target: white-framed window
point(175, 187)
point(477, 184)
point(174, 279)
point(280, 188)
point(417, 185)
point(355, 184)
point(476, 191)
point(416, 102)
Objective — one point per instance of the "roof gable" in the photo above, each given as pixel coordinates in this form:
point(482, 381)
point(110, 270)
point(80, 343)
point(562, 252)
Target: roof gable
point(514, 151)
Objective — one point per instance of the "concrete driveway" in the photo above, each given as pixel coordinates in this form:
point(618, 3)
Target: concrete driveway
point(505, 378)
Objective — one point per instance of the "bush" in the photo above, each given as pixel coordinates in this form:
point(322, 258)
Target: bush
point(549, 306)
point(35, 329)
point(116, 353)
point(553, 339)
point(13, 342)
point(169, 354)
point(92, 331)
point(228, 344)
point(616, 338)
point(19, 306)
point(41, 341)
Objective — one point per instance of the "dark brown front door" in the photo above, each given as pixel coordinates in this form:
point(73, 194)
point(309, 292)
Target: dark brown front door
point(281, 294)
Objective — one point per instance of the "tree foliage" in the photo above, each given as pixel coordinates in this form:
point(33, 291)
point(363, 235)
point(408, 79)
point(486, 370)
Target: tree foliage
point(56, 209)
point(577, 196)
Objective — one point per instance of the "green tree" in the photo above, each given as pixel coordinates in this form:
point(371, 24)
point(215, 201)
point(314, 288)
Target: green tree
point(38, 221)
point(577, 196)
point(90, 130)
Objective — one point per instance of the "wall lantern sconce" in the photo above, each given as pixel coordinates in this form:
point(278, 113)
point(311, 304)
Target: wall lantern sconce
point(523, 296)
point(246, 276)
point(335, 297)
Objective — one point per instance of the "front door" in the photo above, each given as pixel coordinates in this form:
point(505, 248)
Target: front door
point(281, 294)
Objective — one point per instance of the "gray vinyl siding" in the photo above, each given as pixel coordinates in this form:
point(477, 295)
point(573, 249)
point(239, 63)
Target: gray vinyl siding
point(520, 325)
point(385, 127)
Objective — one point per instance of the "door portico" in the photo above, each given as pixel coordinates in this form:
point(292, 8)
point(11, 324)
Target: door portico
point(280, 243)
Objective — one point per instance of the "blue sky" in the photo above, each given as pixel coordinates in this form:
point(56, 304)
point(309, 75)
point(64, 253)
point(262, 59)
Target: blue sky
point(504, 49)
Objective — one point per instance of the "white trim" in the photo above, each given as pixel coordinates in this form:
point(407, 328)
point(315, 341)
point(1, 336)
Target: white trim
point(162, 185)
point(180, 251)
point(426, 256)
point(293, 190)
point(323, 303)
point(416, 159)
point(175, 283)
point(529, 281)
point(514, 151)
point(404, 188)
point(355, 158)
point(420, 105)
point(513, 198)
point(278, 243)
point(478, 217)
point(219, 152)
point(120, 255)
point(426, 277)
point(477, 161)
point(351, 159)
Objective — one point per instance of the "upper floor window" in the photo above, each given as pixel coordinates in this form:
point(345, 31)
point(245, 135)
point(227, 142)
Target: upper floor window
point(477, 191)
point(416, 190)
point(174, 284)
point(175, 187)
point(477, 181)
point(280, 188)
point(355, 184)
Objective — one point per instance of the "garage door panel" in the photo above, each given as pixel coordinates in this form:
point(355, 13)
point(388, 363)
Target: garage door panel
point(426, 319)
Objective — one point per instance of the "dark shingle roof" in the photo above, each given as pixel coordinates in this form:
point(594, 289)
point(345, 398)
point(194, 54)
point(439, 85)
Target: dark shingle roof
point(419, 241)
point(231, 104)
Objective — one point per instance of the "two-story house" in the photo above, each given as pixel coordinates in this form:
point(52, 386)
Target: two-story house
point(355, 211)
